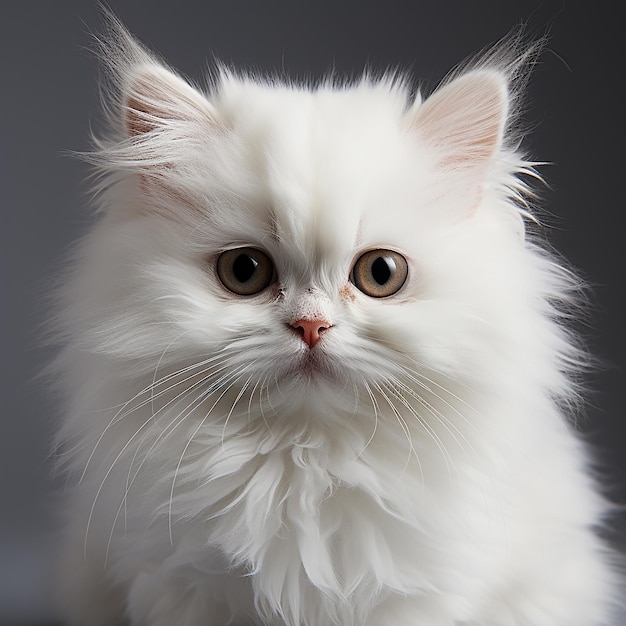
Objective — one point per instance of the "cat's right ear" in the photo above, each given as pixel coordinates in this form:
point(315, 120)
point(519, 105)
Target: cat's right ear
point(142, 92)
point(154, 121)
point(156, 99)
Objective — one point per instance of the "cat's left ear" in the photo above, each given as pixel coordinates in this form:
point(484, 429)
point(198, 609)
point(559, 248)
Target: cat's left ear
point(464, 120)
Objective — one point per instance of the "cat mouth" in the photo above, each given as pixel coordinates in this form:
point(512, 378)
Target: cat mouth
point(314, 364)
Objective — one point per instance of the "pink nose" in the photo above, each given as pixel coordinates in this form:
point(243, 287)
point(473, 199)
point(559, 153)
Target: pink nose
point(310, 330)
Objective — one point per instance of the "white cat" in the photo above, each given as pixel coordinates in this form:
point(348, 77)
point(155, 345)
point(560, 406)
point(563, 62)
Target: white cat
point(315, 370)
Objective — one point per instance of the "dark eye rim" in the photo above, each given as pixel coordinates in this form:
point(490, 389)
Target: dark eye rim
point(394, 252)
point(270, 279)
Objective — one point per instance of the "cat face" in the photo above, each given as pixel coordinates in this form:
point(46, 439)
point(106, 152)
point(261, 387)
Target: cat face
point(334, 238)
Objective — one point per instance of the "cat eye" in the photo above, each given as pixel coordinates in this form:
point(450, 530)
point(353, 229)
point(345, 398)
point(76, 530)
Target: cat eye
point(245, 271)
point(380, 273)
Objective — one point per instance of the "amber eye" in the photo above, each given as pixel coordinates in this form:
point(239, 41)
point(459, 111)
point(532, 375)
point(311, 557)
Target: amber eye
point(245, 271)
point(380, 273)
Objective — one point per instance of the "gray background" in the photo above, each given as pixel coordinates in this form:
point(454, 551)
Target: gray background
point(48, 99)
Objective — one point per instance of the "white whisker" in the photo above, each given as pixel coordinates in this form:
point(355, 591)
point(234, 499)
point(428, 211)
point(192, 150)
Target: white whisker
point(263, 416)
point(185, 412)
point(407, 433)
point(243, 389)
point(120, 415)
point(156, 369)
point(376, 414)
point(425, 425)
point(173, 424)
point(167, 431)
point(234, 377)
point(449, 426)
point(106, 476)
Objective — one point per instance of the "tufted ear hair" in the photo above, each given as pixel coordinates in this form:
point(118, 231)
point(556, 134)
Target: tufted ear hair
point(140, 92)
point(155, 98)
point(464, 120)
point(156, 126)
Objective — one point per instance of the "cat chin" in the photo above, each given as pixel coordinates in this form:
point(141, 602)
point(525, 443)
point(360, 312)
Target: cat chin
point(314, 394)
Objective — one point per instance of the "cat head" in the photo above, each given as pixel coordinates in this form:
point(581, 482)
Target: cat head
point(308, 239)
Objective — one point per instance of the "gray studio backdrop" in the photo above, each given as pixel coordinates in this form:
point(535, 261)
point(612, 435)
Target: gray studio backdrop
point(48, 99)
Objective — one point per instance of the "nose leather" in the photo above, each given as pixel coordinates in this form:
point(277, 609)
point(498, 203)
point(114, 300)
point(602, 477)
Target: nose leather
point(310, 331)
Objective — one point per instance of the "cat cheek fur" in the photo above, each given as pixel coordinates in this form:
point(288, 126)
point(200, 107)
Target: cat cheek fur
point(416, 465)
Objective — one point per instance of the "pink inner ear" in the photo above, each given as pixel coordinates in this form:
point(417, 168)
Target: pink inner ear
point(137, 122)
point(156, 96)
point(150, 100)
point(465, 119)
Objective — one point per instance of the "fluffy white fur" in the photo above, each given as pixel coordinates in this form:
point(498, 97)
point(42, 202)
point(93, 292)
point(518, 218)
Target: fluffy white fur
point(417, 467)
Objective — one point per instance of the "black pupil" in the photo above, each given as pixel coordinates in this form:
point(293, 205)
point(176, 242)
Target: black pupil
point(382, 269)
point(244, 267)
